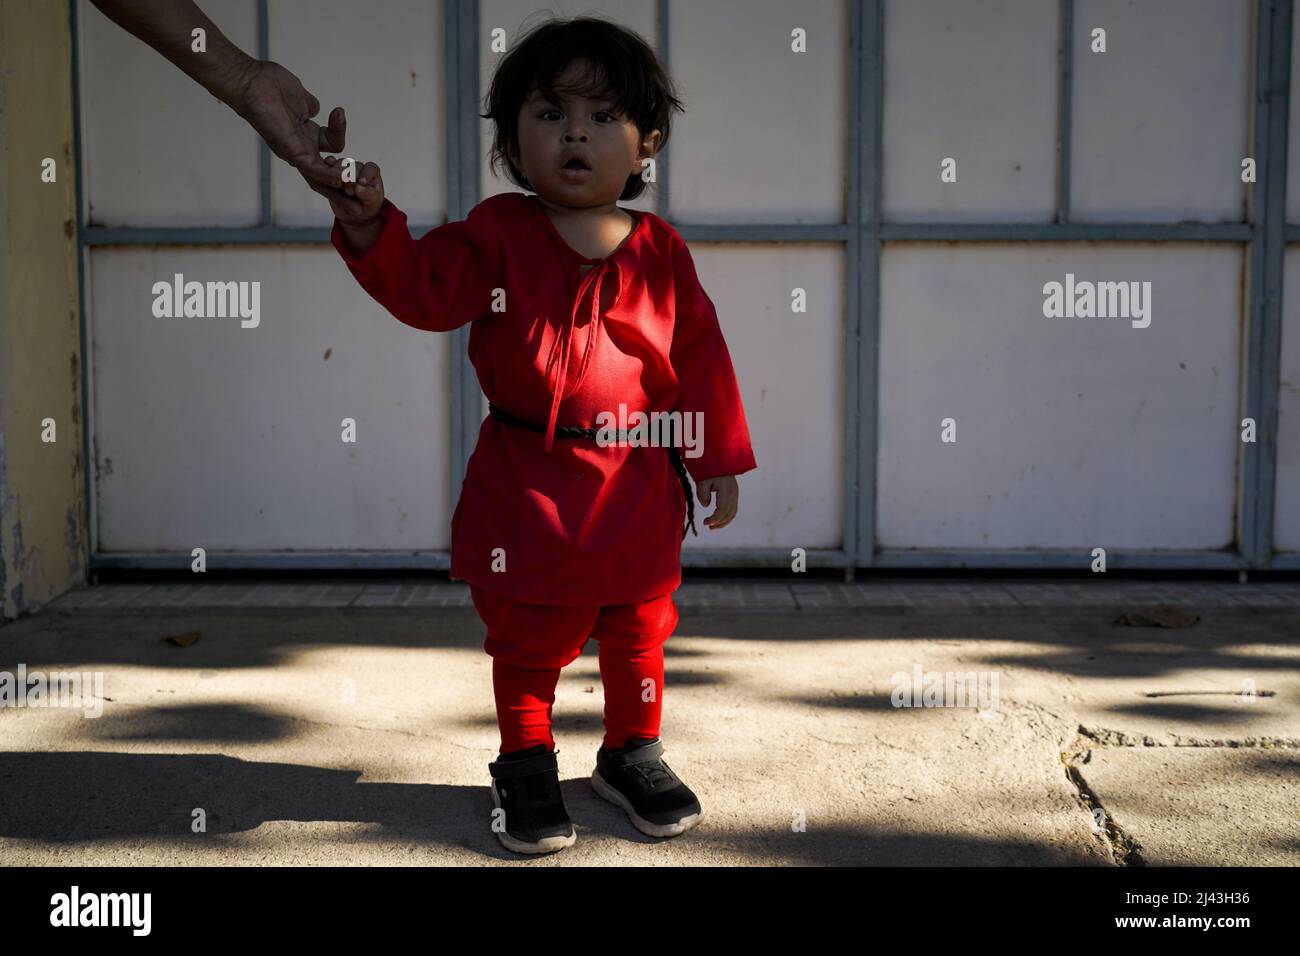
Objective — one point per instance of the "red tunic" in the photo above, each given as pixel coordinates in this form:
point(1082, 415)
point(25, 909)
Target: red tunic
point(576, 523)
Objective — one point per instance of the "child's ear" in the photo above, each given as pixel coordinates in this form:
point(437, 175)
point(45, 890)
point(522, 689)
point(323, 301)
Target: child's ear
point(513, 153)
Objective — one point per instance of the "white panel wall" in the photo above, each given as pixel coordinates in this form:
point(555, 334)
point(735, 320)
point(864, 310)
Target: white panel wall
point(1161, 118)
point(158, 149)
point(975, 82)
point(208, 434)
point(1286, 518)
point(391, 86)
point(1071, 433)
point(791, 371)
point(764, 137)
point(212, 435)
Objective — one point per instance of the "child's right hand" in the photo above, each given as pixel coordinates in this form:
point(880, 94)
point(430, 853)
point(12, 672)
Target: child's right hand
point(356, 204)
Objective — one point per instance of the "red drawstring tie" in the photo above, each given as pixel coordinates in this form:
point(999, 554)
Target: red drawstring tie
point(563, 341)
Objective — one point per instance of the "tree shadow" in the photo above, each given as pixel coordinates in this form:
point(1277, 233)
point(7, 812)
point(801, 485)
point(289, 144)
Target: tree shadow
point(83, 797)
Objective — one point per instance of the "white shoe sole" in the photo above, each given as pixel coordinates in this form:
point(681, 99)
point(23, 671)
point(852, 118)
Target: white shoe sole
point(645, 826)
point(548, 845)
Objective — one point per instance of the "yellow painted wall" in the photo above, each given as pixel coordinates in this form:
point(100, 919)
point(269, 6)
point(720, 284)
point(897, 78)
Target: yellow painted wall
point(42, 490)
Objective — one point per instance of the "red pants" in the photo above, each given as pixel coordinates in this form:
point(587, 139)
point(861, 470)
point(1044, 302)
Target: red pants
point(530, 643)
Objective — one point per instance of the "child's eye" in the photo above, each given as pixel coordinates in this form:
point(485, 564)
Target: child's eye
point(612, 118)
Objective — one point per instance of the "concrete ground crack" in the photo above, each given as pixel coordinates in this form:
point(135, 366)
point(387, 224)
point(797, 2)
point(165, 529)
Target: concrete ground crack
point(1123, 848)
point(1101, 736)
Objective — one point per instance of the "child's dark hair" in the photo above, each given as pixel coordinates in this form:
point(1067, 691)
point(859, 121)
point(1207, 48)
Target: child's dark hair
point(623, 67)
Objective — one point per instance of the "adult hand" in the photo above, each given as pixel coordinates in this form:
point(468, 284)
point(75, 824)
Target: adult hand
point(276, 104)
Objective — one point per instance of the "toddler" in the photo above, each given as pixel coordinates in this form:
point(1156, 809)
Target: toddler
point(577, 306)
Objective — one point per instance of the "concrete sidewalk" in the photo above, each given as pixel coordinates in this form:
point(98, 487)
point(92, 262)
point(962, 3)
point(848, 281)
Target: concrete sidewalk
point(351, 722)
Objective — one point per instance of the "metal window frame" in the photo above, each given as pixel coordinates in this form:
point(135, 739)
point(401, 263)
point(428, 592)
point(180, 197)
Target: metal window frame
point(1265, 235)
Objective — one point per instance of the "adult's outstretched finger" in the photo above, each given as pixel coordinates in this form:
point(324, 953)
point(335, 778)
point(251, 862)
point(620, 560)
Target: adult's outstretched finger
point(331, 138)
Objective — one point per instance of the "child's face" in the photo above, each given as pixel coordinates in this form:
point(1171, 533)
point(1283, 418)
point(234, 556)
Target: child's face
point(550, 133)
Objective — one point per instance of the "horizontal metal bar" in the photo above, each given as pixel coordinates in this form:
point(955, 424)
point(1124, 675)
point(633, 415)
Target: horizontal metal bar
point(318, 235)
point(430, 560)
point(212, 235)
point(1285, 561)
point(756, 232)
point(763, 557)
point(279, 561)
point(1079, 560)
point(721, 557)
point(1291, 233)
point(764, 232)
point(1067, 232)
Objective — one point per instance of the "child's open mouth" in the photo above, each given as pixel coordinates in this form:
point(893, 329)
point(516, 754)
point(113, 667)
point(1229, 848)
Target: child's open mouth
point(575, 168)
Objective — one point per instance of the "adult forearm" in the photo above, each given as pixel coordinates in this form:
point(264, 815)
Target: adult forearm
point(168, 25)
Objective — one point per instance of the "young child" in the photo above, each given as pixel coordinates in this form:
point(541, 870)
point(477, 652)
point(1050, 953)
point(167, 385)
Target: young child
point(576, 306)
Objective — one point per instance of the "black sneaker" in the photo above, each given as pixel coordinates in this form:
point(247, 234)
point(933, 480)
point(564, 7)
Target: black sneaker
point(526, 785)
point(636, 778)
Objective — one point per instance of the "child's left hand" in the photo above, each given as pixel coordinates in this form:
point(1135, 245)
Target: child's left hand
point(728, 499)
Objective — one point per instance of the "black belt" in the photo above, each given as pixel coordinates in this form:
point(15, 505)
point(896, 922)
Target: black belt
point(575, 431)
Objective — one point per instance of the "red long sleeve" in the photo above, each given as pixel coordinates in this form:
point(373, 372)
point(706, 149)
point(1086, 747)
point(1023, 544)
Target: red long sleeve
point(706, 377)
point(437, 283)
